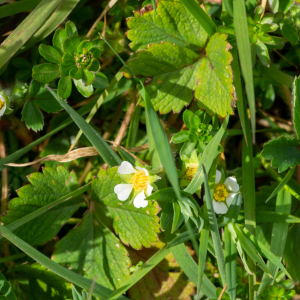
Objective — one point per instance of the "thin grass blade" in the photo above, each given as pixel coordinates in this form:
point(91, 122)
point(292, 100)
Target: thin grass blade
point(276, 217)
point(214, 229)
point(282, 183)
point(136, 276)
point(109, 156)
point(202, 251)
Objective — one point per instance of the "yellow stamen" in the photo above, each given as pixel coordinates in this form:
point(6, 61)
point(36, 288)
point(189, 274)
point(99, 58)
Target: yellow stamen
point(220, 192)
point(190, 173)
point(2, 104)
point(139, 181)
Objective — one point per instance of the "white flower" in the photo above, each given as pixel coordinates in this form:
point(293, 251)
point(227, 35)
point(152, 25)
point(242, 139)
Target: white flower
point(224, 193)
point(139, 182)
point(2, 105)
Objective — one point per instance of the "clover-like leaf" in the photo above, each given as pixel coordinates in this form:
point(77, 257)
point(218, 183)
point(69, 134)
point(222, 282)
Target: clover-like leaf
point(161, 282)
point(50, 53)
point(172, 74)
point(85, 91)
point(32, 116)
point(215, 90)
point(91, 249)
point(135, 226)
point(71, 29)
point(44, 189)
point(283, 152)
point(172, 23)
point(64, 88)
point(45, 73)
point(59, 38)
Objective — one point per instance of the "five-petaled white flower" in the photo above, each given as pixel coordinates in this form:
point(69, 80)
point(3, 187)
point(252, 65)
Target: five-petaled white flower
point(224, 193)
point(2, 105)
point(138, 180)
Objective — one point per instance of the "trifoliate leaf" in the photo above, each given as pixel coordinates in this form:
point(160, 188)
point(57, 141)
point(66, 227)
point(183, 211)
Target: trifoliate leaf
point(32, 116)
point(50, 53)
point(173, 72)
point(136, 227)
point(283, 152)
point(45, 73)
point(36, 282)
point(172, 23)
point(91, 249)
point(215, 90)
point(47, 102)
point(161, 282)
point(44, 189)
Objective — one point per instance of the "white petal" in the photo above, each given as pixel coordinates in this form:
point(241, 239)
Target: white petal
point(123, 191)
point(229, 198)
point(2, 110)
point(139, 201)
point(232, 184)
point(126, 168)
point(149, 189)
point(218, 177)
point(220, 207)
point(143, 169)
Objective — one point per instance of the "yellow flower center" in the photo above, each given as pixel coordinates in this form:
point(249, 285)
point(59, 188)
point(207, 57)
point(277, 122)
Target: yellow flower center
point(220, 192)
point(2, 104)
point(190, 173)
point(139, 181)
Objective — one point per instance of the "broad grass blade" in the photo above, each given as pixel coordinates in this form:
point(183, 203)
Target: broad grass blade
point(244, 51)
point(278, 237)
point(26, 29)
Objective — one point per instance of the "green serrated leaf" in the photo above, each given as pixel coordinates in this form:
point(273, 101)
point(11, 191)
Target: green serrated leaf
point(64, 88)
point(171, 68)
point(32, 116)
point(45, 73)
point(135, 226)
point(93, 250)
point(172, 23)
point(50, 54)
point(44, 188)
point(283, 152)
point(289, 31)
point(46, 101)
point(215, 90)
